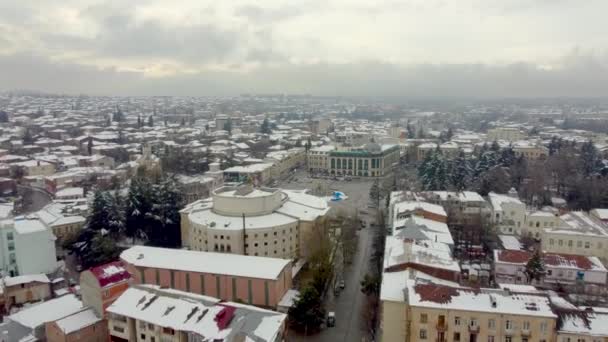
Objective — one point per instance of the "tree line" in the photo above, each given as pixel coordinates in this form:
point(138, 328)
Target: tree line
point(149, 213)
point(575, 172)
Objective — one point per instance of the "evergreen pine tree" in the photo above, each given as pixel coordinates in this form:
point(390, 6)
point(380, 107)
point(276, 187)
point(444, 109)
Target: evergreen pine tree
point(590, 159)
point(265, 128)
point(461, 172)
point(228, 126)
point(138, 207)
point(535, 267)
point(507, 156)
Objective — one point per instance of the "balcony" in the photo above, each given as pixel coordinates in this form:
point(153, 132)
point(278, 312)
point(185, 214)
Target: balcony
point(441, 339)
point(526, 332)
point(442, 326)
point(474, 329)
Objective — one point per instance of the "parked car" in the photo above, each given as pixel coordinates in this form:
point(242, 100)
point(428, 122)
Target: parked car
point(331, 319)
point(342, 284)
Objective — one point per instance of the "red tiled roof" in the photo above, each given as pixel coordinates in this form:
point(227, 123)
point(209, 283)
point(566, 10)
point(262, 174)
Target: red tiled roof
point(435, 293)
point(570, 260)
point(110, 273)
point(513, 256)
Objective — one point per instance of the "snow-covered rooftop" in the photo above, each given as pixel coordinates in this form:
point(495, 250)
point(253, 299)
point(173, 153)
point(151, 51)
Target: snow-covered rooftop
point(470, 299)
point(205, 262)
point(35, 316)
point(77, 321)
point(204, 316)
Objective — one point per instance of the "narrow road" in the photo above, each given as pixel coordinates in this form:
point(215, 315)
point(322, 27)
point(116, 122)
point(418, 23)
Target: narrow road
point(33, 199)
point(349, 305)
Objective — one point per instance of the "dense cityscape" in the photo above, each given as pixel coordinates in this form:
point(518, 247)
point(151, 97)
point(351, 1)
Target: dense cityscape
point(276, 217)
point(303, 171)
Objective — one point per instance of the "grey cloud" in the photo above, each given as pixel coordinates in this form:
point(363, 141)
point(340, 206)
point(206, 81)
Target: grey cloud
point(579, 79)
point(263, 15)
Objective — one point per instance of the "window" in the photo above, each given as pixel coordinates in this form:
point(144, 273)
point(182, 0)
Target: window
point(118, 329)
point(543, 327)
point(423, 334)
point(491, 324)
point(579, 244)
point(150, 326)
point(11, 246)
point(473, 322)
point(569, 243)
point(526, 325)
point(168, 331)
point(551, 242)
point(560, 242)
point(587, 244)
point(456, 336)
point(456, 320)
point(9, 236)
point(142, 337)
point(508, 325)
point(424, 318)
point(490, 338)
point(142, 325)
point(508, 339)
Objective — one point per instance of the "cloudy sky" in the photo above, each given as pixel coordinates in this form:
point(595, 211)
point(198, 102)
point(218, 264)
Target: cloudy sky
point(327, 47)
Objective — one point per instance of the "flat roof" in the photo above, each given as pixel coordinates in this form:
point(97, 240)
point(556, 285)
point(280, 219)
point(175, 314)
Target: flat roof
point(205, 262)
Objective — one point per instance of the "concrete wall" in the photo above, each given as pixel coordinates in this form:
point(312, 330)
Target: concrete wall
point(31, 292)
point(393, 322)
point(488, 324)
point(36, 252)
point(97, 332)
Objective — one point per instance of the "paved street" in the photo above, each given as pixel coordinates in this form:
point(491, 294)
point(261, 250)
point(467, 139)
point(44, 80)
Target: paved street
point(349, 304)
point(33, 199)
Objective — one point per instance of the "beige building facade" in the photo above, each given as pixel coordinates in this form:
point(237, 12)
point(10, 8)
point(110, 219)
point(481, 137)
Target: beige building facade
point(431, 312)
point(255, 221)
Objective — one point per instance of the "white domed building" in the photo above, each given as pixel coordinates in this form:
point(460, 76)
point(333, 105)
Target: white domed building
point(255, 221)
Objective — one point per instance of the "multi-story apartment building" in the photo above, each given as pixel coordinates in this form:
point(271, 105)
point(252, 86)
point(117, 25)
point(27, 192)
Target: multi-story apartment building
point(259, 173)
point(255, 221)
point(405, 209)
point(371, 160)
point(588, 325)
point(148, 313)
point(505, 133)
point(561, 269)
point(27, 246)
point(462, 207)
point(537, 221)
point(101, 285)
point(425, 149)
point(283, 162)
point(578, 233)
point(254, 280)
point(530, 151)
point(508, 212)
point(318, 158)
point(434, 312)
